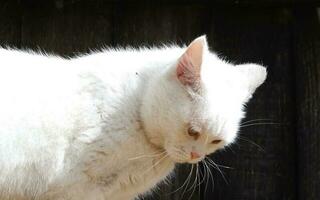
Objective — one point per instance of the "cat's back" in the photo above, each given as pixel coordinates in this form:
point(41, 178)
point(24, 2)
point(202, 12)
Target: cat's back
point(31, 82)
point(37, 87)
point(27, 67)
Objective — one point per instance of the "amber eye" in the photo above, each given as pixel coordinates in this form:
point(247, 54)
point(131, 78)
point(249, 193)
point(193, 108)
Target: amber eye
point(215, 141)
point(193, 133)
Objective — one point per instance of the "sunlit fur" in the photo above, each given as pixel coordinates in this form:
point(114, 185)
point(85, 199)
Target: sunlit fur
point(110, 124)
point(170, 108)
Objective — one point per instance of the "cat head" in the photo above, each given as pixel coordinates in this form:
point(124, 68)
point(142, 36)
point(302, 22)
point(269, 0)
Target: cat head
point(195, 106)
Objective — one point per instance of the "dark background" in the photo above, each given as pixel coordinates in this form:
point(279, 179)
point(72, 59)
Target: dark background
point(269, 161)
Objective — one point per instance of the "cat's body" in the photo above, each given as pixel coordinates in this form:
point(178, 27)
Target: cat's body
point(85, 128)
point(66, 123)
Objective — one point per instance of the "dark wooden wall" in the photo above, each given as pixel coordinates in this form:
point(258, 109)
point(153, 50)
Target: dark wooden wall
point(270, 161)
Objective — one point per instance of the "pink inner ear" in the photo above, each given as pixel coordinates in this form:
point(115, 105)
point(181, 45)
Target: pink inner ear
point(189, 65)
point(186, 72)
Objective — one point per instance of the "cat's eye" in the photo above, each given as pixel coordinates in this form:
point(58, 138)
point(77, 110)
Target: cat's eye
point(193, 133)
point(216, 141)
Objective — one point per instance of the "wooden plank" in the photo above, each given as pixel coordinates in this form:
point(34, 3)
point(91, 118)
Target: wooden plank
point(10, 21)
point(65, 28)
point(150, 24)
point(263, 158)
point(256, 3)
point(307, 64)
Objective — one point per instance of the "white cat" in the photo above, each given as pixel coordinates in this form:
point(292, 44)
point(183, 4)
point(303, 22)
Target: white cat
point(111, 125)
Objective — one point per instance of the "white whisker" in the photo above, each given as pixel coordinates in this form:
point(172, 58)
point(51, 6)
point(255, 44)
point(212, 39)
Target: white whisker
point(187, 179)
point(186, 188)
point(214, 165)
point(147, 156)
point(155, 164)
point(256, 120)
point(255, 124)
point(194, 185)
point(210, 175)
point(251, 142)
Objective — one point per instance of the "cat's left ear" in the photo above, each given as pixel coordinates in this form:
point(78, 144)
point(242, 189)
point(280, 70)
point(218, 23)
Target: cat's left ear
point(254, 76)
point(188, 68)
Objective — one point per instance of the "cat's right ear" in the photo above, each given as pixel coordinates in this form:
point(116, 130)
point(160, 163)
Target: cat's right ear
point(188, 69)
point(254, 76)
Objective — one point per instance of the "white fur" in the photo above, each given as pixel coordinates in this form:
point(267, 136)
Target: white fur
point(96, 126)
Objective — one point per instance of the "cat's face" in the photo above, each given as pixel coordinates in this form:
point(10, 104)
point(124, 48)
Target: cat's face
point(198, 103)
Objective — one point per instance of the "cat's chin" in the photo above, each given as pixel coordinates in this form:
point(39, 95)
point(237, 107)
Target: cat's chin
point(184, 161)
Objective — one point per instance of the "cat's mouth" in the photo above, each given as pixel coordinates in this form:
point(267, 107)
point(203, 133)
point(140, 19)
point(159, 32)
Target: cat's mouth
point(180, 156)
point(182, 159)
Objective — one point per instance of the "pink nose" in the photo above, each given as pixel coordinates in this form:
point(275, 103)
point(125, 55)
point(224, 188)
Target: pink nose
point(194, 155)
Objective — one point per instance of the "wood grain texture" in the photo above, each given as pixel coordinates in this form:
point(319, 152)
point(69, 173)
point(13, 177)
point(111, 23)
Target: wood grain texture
point(65, 28)
point(156, 24)
point(256, 3)
point(307, 65)
point(10, 23)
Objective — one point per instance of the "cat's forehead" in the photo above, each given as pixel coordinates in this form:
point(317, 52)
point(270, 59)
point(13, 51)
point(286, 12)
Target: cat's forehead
point(217, 70)
point(212, 112)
